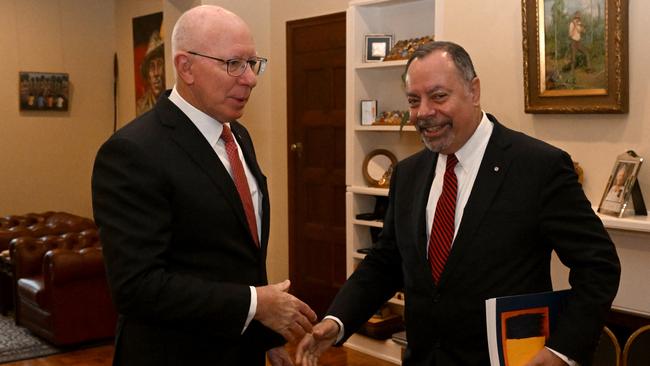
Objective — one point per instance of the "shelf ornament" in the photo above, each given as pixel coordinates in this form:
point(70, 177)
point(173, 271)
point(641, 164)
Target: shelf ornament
point(378, 167)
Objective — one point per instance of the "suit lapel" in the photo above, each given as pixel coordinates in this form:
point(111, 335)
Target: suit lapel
point(491, 174)
point(421, 189)
point(190, 140)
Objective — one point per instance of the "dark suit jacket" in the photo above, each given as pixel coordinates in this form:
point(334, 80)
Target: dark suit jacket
point(525, 203)
point(178, 252)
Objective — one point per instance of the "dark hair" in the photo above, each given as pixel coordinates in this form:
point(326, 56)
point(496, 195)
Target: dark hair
point(458, 54)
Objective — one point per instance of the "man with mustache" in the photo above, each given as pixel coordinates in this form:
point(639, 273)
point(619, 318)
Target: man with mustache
point(474, 215)
point(183, 211)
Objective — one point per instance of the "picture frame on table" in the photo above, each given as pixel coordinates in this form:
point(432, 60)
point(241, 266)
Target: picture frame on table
point(622, 191)
point(575, 56)
point(377, 46)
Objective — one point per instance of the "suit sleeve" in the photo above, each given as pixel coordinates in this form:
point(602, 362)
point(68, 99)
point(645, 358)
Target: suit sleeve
point(132, 209)
point(375, 280)
point(581, 242)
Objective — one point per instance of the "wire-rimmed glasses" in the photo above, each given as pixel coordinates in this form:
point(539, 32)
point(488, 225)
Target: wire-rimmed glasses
point(237, 66)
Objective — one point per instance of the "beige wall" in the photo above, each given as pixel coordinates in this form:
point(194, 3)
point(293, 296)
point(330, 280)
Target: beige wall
point(46, 157)
point(594, 140)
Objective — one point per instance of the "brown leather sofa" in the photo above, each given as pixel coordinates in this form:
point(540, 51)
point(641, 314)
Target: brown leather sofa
point(62, 292)
point(30, 225)
point(40, 224)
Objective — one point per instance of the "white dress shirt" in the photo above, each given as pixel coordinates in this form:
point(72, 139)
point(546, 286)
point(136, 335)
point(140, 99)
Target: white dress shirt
point(469, 161)
point(211, 129)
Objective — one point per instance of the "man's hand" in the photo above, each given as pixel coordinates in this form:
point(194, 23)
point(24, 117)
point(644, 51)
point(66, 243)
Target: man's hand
point(546, 358)
point(313, 345)
point(283, 312)
point(279, 357)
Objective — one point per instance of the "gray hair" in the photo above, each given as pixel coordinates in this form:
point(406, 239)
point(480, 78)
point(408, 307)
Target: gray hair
point(458, 54)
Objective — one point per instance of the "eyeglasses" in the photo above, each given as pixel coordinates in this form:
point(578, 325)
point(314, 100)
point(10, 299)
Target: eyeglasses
point(237, 66)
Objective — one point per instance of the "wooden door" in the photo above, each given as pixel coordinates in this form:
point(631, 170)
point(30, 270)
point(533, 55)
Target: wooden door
point(316, 136)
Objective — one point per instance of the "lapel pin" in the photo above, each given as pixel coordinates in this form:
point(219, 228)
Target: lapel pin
point(496, 168)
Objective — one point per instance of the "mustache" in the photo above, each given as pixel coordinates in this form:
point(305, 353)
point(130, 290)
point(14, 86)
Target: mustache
point(424, 123)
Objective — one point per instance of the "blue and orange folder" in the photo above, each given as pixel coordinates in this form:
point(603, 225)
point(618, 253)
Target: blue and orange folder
point(518, 326)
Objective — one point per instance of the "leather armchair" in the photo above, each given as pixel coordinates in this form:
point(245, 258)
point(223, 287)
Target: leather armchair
point(62, 292)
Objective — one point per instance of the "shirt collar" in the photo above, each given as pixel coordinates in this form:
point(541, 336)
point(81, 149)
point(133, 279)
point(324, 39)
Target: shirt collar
point(210, 128)
point(471, 153)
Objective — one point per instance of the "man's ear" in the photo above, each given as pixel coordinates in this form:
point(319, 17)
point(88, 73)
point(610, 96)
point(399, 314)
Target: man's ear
point(183, 65)
point(475, 89)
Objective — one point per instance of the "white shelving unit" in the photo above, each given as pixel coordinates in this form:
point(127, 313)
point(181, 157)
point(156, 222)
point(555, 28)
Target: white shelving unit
point(630, 223)
point(381, 81)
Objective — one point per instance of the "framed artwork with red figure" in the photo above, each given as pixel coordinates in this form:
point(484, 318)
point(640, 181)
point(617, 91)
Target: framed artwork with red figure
point(148, 60)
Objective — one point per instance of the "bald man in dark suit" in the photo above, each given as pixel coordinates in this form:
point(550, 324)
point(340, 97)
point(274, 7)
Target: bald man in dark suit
point(183, 211)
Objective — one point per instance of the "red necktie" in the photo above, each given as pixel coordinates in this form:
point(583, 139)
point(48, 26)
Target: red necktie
point(239, 176)
point(442, 230)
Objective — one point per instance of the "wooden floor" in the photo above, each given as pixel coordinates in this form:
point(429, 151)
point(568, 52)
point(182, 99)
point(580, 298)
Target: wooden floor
point(102, 356)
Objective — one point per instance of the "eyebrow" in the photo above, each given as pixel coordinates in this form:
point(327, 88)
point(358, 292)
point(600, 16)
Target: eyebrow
point(436, 89)
point(429, 91)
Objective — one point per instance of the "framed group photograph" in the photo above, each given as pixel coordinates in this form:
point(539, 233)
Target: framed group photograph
point(575, 56)
point(377, 47)
point(43, 91)
point(622, 187)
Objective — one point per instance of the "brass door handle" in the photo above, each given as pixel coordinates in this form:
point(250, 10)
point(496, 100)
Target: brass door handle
point(297, 148)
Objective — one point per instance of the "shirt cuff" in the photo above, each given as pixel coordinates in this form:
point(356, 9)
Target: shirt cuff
point(564, 358)
point(251, 309)
point(341, 330)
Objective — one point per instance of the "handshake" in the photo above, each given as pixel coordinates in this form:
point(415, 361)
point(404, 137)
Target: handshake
point(293, 319)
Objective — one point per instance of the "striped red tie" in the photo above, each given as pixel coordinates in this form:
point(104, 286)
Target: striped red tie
point(442, 230)
point(239, 177)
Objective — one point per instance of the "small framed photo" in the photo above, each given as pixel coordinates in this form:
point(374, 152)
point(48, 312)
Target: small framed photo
point(368, 112)
point(43, 91)
point(622, 185)
point(377, 47)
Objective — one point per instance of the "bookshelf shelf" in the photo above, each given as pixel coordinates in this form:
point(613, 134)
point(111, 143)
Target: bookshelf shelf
point(631, 223)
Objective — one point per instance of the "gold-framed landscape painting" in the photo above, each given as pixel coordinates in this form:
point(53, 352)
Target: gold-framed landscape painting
point(575, 56)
